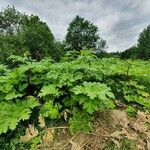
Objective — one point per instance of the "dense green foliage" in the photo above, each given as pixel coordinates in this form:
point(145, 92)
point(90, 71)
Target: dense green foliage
point(142, 50)
point(144, 43)
point(21, 35)
point(83, 87)
point(130, 53)
point(82, 33)
point(36, 37)
point(10, 19)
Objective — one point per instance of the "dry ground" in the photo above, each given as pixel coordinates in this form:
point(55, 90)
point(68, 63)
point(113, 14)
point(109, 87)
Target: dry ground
point(113, 130)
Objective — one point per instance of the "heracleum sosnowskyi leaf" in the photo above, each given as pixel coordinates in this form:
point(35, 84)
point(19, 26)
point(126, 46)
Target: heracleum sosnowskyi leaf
point(93, 90)
point(145, 102)
point(80, 122)
point(11, 113)
point(50, 110)
point(93, 96)
point(48, 90)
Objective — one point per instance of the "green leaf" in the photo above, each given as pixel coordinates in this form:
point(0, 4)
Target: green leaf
point(93, 90)
point(48, 90)
point(139, 100)
point(11, 113)
point(49, 110)
point(80, 122)
point(12, 95)
point(93, 96)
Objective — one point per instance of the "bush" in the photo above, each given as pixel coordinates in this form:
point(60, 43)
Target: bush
point(82, 87)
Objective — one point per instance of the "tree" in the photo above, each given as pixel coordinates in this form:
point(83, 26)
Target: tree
point(58, 51)
point(132, 53)
point(10, 20)
point(100, 48)
point(7, 46)
point(81, 33)
point(22, 34)
point(144, 44)
point(36, 37)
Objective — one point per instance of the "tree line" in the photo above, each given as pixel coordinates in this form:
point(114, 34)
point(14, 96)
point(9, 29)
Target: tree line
point(26, 35)
point(142, 49)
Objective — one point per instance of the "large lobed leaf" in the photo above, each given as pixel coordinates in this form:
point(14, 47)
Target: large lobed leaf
point(11, 113)
point(93, 96)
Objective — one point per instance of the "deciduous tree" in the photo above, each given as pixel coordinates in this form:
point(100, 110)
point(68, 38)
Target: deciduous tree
point(144, 43)
point(82, 33)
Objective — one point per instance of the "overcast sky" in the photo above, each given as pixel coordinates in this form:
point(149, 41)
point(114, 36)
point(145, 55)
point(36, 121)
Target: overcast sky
point(119, 21)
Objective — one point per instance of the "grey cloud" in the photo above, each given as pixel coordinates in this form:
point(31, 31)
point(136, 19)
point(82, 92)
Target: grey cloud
point(119, 21)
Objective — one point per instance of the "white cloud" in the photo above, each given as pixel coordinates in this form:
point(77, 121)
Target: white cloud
point(119, 21)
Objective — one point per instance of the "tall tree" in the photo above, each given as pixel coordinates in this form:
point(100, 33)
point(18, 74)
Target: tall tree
point(20, 33)
point(36, 36)
point(10, 20)
point(131, 52)
point(81, 33)
point(144, 44)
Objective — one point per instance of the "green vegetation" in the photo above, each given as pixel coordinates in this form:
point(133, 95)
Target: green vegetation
point(38, 78)
point(83, 87)
point(25, 35)
point(82, 33)
point(142, 50)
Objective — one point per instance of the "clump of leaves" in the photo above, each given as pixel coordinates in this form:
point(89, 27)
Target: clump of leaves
point(80, 122)
point(12, 113)
point(94, 96)
point(131, 111)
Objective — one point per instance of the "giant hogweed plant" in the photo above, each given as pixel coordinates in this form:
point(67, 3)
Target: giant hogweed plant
point(82, 86)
